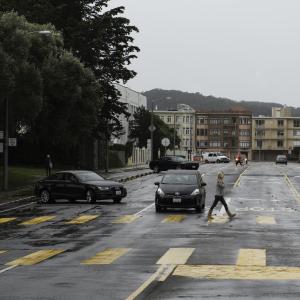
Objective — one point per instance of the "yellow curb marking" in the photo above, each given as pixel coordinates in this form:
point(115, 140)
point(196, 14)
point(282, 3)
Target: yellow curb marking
point(265, 220)
point(176, 256)
point(6, 220)
point(252, 257)
point(2, 251)
point(218, 220)
point(238, 272)
point(174, 219)
point(106, 257)
point(35, 257)
point(238, 181)
point(126, 219)
point(37, 220)
point(292, 187)
point(82, 219)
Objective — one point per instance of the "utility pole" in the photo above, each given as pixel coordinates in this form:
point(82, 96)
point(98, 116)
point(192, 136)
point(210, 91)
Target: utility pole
point(5, 147)
point(152, 148)
point(174, 134)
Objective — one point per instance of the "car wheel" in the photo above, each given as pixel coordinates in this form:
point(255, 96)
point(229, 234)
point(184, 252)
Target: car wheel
point(117, 199)
point(156, 169)
point(157, 208)
point(45, 197)
point(90, 197)
point(206, 161)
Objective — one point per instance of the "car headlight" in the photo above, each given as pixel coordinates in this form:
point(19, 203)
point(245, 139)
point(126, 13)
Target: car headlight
point(160, 192)
point(103, 188)
point(195, 192)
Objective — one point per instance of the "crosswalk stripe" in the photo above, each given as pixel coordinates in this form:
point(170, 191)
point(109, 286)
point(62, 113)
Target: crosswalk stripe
point(126, 219)
point(37, 220)
point(2, 251)
point(251, 257)
point(35, 257)
point(106, 257)
point(219, 220)
point(173, 218)
point(267, 220)
point(176, 256)
point(6, 220)
point(82, 219)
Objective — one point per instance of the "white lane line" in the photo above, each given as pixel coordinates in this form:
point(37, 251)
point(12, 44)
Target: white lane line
point(18, 200)
point(144, 209)
point(6, 210)
point(8, 268)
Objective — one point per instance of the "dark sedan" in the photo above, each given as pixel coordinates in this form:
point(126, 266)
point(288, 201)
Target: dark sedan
point(281, 159)
point(78, 185)
point(181, 189)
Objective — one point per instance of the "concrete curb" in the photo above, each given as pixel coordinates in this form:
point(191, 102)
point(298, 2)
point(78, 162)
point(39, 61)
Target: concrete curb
point(135, 176)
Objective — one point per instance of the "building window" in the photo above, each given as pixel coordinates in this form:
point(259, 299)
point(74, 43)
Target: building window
point(202, 132)
point(177, 119)
point(296, 132)
point(244, 120)
point(215, 121)
point(296, 123)
point(187, 119)
point(226, 121)
point(280, 123)
point(215, 132)
point(296, 143)
point(215, 144)
point(245, 132)
point(202, 144)
point(260, 122)
point(187, 131)
point(279, 144)
point(226, 144)
point(225, 132)
point(259, 133)
point(245, 144)
point(169, 119)
point(201, 120)
point(259, 144)
point(280, 133)
point(162, 118)
point(191, 119)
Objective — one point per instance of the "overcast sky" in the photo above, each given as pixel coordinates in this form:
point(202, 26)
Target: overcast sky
point(240, 49)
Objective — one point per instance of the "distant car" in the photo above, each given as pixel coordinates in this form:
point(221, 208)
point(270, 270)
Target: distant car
point(281, 159)
point(78, 185)
point(172, 162)
point(180, 189)
point(215, 157)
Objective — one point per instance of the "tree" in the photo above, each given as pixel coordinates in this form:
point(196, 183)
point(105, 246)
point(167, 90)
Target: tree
point(53, 98)
point(139, 130)
point(99, 37)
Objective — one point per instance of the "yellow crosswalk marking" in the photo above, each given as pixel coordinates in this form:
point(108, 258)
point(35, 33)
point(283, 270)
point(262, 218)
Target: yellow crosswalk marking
point(176, 256)
point(35, 257)
point(219, 220)
point(6, 220)
point(238, 272)
point(106, 257)
point(2, 251)
point(252, 257)
point(126, 219)
point(83, 219)
point(173, 218)
point(37, 220)
point(265, 220)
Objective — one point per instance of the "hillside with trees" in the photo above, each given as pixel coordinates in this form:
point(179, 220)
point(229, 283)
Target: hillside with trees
point(168, 100)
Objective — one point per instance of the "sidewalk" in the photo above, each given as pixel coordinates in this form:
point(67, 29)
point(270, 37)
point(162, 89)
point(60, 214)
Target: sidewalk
point(120, 174)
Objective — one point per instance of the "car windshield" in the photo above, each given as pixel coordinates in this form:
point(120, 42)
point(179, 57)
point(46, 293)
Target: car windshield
point(89, 176)
point(178, 158)
point(187, 179)
point(281, 157)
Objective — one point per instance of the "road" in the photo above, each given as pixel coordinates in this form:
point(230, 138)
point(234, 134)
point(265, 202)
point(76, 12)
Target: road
point(127, 251)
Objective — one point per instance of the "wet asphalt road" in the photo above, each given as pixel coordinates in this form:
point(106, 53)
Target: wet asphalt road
point(172, 255)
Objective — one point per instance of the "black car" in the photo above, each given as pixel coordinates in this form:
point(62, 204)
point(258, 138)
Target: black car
point(181, 189)
point(172, 162)
point(78, 185)
point(281, 159)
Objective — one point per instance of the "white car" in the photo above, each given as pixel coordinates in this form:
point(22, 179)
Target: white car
point(215, 157)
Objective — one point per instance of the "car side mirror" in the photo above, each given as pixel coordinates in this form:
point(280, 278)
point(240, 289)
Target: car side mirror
point(203, 183)
point(156, 183)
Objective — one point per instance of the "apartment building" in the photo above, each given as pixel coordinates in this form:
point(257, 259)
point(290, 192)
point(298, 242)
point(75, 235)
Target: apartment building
point(279, 134)
point(183, 120)
point(227, 132)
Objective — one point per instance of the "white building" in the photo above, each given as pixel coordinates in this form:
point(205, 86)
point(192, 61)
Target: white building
point(134, 100)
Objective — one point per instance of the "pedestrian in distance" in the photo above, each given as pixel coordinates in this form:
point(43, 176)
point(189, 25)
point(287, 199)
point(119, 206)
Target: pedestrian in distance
point(246, 160)
point(219, 196)
point(238, 159)
point(49, 165)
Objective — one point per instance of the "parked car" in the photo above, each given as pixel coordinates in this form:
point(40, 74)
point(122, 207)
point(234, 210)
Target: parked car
point(172, 162)
point(78, 185)
point(180, 189)
point(215, 157)
point(281, 159)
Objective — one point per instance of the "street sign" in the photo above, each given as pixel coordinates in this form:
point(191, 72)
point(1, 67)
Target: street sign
point(165, 142)
point(1, 147)
point(12, 142)
point(1, 135)
point(152, 128)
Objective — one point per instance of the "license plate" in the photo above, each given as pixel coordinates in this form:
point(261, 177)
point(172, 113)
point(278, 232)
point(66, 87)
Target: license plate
point(176, 200)
point(118, 192)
